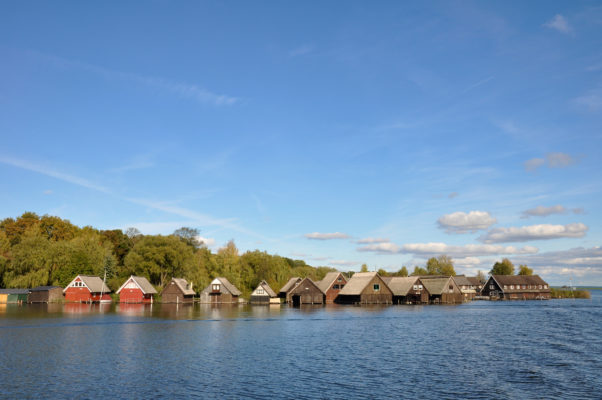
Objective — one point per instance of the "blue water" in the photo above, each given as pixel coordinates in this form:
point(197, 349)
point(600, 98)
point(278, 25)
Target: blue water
point(512, 350)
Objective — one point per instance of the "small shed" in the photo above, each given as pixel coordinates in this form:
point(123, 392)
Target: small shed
point(220, 290)
point(263, 294)
point(288, 286)
point(87, 289)
point(305, 292)
point(365, 288)
point(442, 290)
point(466, 287)
point(332, 284)
point(407, 290)
point(178, 290)
point(136, 289)
point(46, 294)
point(516, 287)
point(14, 296)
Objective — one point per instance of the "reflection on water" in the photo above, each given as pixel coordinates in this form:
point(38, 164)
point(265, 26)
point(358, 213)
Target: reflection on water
point(480, 350)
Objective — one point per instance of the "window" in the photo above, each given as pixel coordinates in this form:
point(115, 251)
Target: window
point(492, 287)
point(376, 287)
point(339, 279)
point(415, 287)
point(511, 287)
point(335, 287)
point(545, 286)
point(540, 286)
point(419, 287)
point(505, 287)
point(341, 286)
point(451, 288)
point(524, 286)
point(260, 291)
point(215, 288)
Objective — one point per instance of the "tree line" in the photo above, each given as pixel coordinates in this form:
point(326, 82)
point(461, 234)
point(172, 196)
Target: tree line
point(47, 250)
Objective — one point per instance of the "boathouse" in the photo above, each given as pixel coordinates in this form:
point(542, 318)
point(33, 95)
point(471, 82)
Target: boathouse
point(87, 289)
point(220, 290)
point(263, 294)
point(178, 290)
point(442, 290)
point(332, 284)
point(466, 287)
point(45, 294)
point(516, 287)
point(407, 290)
point(13, 296)
point(365, 288)
point(136, 289)
point(305, 292)
point(476, 284)
point(288, 286)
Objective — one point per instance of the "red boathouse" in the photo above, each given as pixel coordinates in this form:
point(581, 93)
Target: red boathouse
point(87, 289)
point(137, 289)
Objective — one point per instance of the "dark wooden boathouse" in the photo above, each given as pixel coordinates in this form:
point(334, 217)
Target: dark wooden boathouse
point(442, 290)
point(45, 294)
point(305, 292)
point(365, 288)
point(178, 290)
point(332, 284)
point(288, 286)
point(516, 287)
point(407, 290)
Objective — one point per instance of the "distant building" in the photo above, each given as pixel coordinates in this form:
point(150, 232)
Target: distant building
point(305, 292)
point(136, 289)
point(365, 288)
point(516, 287)
point(13, 296)
point(476, 284)
point(407, 290)
point(442, 290)
point(87, 289)
point(263, 294)
point(466, 287)
point(177, 291)
point(220, 290)
point(288, 286)
point(45, 294)
point(332, 284)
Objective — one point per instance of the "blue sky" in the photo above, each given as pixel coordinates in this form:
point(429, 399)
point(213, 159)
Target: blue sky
point(340, 133)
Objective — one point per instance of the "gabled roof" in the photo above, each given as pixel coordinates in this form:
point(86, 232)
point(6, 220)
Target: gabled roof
point(436, 286)
point(290, 284)
point(358, 282)
point(519, 280)
point(184, 286)
point(142, 283)
point(264, 285)
point(461, 280)
point(225, 286)
point(44, 288)
point(93, 283)
point(400, 285)
point(14, 291)
point(304, 283)
point(328, 280)
point(474, 280)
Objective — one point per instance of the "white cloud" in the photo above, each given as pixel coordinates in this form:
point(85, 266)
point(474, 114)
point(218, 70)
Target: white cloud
point(542, 211)
point(461, 222)
point(578, 261)
point(372, 240)
point(381, 248)
point(590, 102)
point(468, 250)
point(552, 160)
point(559, 160)
point(326, 236)
point(534, 163)
point(560, 24)
point(209, 242)
point(534, 232)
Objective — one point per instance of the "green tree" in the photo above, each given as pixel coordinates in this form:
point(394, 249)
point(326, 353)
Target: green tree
point(481, 276)
point(524, 270)
point(418, 271)
point(190, 236)
point(505, 267)
point(403, 271)
point(442, 265)
point(382, 272)
point(364, 268)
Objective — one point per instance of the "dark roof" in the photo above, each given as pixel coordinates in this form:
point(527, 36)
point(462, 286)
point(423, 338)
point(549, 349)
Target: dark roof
point(14, 291)
point(519, 280)
point(44, 288)
point(461, 280)
point(290, 284)
point(474, 280)
point(303, 284)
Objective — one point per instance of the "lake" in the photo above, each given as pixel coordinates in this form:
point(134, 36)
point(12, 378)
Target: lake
point(509, 350)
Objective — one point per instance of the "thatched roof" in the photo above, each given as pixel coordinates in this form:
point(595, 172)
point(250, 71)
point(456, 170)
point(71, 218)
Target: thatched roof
point(264, 285)
point(399, 285)
point(184, 286)
point(328, 280)
point(290, 284)
point(93, 283)
point(142, 283)
point(225, 286)
point(358, 282)
point(436, 286)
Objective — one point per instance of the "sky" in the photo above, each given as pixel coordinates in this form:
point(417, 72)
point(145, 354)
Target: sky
point(336, 132)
